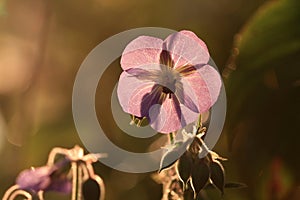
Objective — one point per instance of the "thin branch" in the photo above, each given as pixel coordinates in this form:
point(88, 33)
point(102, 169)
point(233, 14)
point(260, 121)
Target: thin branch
point(74, 168)
point(15, 191)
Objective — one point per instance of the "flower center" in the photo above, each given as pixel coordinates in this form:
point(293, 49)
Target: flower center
point(168, 79)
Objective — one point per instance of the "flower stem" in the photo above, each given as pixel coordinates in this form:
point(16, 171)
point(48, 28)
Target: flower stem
point(76, 184)
point(41, 195)
point(199, 123)
point(79, 182)
point(171, 137)
point(15, 191)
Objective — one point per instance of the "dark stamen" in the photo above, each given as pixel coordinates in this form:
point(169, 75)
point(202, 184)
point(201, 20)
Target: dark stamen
point(167, 91)
point(166, 59)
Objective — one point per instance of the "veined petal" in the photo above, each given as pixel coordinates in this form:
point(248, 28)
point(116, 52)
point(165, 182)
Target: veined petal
point(145, 74)
point(188, 116)
point(170, 115)
point(212, 79)
point(166, 117)
point(205, 84)
point(143, 98)
point(186, 96)
point(134, 84)
point(141, 51)
point(195, 38)
point(186, 48)
point(131, 91)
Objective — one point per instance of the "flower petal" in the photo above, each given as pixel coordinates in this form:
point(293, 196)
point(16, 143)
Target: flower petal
point(35, 179)
point(143, 98)
point(206, 84)
point(170, 115)
point(186, 48)
point(141, 51)
point(134, 87)
point(166, 118)
point(186, 96)
point(195, 38)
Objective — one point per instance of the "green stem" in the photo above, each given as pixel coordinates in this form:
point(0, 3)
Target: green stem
point(199, 123)
point(171, 137)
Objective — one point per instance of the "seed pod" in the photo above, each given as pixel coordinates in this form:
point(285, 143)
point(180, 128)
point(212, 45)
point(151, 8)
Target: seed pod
point(217, 175)
point(200, 175)
point(188, 193)
point(91, 189)
point(184, 167)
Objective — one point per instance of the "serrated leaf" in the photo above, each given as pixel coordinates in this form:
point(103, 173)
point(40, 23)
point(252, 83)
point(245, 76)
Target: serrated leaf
point(217, 175)
point(184, 167)
point(200, 175)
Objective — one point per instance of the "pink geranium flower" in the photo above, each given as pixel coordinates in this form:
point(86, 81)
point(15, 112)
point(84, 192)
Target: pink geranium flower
point(169, 82)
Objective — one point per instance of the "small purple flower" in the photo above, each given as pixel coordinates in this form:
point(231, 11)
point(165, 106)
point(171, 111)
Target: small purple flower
point(169, 82)
point(43, 179)
point(35, 179)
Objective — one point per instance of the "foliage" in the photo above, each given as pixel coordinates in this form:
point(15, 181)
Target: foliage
point(263, 77)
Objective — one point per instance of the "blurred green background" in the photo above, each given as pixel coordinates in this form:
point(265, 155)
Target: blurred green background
point(255, 44)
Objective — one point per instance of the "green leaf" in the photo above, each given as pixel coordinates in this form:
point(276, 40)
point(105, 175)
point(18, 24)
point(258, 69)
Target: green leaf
point(270, 40)
point(200, 175)
point(263, 72)
point(271, 33)
point(217, 175)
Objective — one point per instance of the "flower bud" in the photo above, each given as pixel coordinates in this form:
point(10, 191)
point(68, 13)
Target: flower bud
point(184, 167)
point(217, 175)
point(200, 175)
point(91, 189)
point(35, 179)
